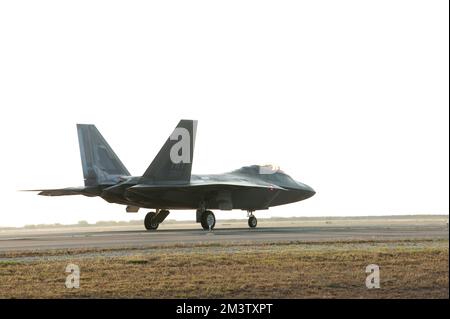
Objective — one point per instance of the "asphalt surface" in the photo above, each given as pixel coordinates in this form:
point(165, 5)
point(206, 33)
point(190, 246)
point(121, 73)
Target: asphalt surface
point(136, 237)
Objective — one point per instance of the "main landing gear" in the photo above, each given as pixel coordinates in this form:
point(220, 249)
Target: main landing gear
point(252, 221)
point(208, 220)
point(153, 219)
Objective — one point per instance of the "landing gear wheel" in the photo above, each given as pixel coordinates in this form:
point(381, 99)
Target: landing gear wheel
point(252, 222)
point(149, 225)
point(208, 220)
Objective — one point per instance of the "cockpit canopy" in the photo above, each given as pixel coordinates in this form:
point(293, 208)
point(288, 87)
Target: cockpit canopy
point(259, 169)
point(269, 173)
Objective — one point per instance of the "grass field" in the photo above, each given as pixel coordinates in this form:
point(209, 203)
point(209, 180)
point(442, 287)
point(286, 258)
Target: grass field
point(408, 269)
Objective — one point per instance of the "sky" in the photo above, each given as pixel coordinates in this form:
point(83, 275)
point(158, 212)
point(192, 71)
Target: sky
point(349, 97)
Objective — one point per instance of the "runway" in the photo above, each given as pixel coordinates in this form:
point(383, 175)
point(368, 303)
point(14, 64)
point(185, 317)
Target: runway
point(307, 231)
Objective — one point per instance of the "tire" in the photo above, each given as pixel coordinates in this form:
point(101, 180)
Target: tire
point(252, 222)
point(208, 216)
point(148, 221)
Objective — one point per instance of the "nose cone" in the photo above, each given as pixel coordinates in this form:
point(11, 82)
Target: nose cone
point(307, 190)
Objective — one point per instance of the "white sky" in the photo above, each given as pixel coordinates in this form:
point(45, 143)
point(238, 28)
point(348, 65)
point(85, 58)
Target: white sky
point(350, 97)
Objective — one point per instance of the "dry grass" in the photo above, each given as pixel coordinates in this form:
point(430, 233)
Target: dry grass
point(413, 269)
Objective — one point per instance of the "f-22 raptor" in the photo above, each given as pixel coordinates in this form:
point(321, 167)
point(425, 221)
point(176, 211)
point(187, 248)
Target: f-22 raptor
point(168, 182)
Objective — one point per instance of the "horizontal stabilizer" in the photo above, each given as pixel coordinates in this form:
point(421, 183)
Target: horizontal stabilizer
point(86, 191)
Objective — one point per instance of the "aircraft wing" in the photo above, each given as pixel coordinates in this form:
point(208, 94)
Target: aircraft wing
point(204, 184)
point(215, 191)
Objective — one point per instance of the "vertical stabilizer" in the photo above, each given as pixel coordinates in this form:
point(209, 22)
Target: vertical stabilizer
point(174, 161)
point(101, 166)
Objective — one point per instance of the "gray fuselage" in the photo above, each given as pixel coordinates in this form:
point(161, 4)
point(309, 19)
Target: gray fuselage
point(245, 189)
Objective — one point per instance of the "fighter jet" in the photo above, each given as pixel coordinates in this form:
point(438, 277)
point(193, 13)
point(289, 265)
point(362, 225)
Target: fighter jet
point(168, 184)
